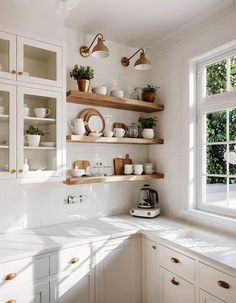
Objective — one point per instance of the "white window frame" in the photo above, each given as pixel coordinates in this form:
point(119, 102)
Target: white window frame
point(204, 105)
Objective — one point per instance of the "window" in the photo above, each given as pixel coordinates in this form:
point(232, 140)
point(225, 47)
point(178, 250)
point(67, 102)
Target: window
point(216, 134)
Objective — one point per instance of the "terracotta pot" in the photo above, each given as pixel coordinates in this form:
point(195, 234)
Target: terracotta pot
point(149, 97)
point(83, 85)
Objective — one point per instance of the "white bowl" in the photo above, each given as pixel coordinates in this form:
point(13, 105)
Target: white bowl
point(77, 172)
point(148, 166)
point(101, 90)
point(117, 93)
point(48, 144)
point(149, 171)
point(96, 135)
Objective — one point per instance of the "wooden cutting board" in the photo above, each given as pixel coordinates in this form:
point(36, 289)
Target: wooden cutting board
point(81, 164)
point(127, 160)
point(119, 166)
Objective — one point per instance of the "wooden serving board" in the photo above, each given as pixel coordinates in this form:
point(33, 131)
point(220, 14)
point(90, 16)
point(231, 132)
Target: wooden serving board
point(119, 166)
point(81, 164)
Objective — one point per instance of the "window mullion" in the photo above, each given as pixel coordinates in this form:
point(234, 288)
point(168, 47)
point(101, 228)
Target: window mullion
point(228, 75)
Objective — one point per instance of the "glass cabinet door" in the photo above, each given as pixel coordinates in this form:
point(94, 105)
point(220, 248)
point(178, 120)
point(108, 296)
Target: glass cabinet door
point(40, 133)
point(7, 56)
point(39, 62)
point(7, 131)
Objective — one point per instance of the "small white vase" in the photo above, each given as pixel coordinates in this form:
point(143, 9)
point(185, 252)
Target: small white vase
point(148, 133)
point(33, 140)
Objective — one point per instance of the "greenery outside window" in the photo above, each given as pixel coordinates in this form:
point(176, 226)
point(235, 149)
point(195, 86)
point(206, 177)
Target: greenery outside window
point(216, 134)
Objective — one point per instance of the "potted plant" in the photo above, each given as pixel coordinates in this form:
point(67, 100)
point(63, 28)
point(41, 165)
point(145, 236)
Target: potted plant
point(147, 125)
point(150, 92)
point(33, 135)
point(83, 75)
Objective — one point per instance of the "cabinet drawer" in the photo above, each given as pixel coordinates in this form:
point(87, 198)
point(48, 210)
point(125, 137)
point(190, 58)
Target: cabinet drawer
point(71, 259)
point(177, 263)
point(21, 271)
point(217, 283)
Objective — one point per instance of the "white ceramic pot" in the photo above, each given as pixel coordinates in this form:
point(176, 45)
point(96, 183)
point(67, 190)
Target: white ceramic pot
point(33, 140)
point(77, 126)
point(117, 93)
point(148, 133)
point(101, 90)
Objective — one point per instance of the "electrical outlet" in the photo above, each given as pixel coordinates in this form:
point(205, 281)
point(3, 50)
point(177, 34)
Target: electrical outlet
point(76, 199)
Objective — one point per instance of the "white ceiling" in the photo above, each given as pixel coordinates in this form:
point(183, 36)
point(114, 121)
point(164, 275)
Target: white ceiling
point(133, 22)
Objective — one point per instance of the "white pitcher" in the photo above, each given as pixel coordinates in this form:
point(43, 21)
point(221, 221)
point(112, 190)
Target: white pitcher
point(77, 126)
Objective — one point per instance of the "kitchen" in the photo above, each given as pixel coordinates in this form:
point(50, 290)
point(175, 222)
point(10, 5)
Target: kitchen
point(72, 239)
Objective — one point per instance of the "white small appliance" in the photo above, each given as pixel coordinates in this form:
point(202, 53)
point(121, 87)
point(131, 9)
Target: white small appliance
point(147, 204)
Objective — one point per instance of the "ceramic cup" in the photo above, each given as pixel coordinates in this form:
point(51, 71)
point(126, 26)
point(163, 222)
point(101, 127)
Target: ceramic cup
point(138, 169)
point(119, 132)
point(41, 112)
point(108, 134)
point(148, 166)
point(128, 169)
point(117, 93)
point(2, 109)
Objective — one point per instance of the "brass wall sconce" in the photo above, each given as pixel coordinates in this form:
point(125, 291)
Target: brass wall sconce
point(99, 51)
point(141, 64)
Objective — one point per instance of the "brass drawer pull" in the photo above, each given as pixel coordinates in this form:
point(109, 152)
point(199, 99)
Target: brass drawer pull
point(174, 260)
point(20, 171)
point(223, 284)
point(173, 281)
point(74, 260)
point(13, 72)
point(153, 247)
point(13, 171)
point(10, 277)
point(20, 73)
point(11, 301)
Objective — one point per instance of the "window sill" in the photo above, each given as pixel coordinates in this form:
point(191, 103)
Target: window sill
point(209, 220)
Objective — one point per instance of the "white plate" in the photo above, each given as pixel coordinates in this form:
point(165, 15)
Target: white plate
point(48, 144)
point(96, 135)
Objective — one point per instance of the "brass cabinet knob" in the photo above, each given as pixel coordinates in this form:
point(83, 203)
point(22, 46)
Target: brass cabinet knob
point(13, 171)
point(74, 260)
point(173, 281)
point(20, 171)
point(13, 72)
point(174, 260)
point(10, 277)
point(20, 73)
point(11, 301)
point(153, 247)
point(223, 284)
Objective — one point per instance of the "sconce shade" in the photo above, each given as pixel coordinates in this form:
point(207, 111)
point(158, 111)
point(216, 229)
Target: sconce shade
point(142, 63)
point(100, 50)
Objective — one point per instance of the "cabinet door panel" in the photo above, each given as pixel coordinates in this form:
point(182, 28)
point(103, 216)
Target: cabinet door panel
point(73, 288)
point(149, 271)
point(118, 272)
point(173, 288)
point(39, 62)
point(207, 298)
point(7, 56)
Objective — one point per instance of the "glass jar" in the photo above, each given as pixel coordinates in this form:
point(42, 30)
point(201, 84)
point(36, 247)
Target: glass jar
point(133, 130)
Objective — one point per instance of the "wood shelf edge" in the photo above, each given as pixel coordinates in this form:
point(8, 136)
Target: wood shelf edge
point(112, 179)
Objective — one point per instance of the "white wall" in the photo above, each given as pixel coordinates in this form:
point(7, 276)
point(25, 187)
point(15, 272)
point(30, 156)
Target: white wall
point(170, 62)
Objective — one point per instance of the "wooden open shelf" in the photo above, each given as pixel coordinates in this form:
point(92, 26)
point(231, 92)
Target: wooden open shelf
point(113, 140)
point(112, 102)
point(112, 179)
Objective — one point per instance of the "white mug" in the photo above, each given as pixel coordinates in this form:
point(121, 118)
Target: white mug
point(41, 112)
point(138, 169)
point(128, 169)
point(77, 126)
point(108, 134)
point(119, 132)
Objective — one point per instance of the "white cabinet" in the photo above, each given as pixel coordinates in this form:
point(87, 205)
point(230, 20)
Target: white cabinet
point(118, 271)
point(73, 287)
point(207, 298)
point(30, 61)
point(30, 293)
point(149, 271)
point(174, 289)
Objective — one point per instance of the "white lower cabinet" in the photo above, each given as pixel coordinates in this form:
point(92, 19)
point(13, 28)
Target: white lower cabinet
point(118, 271)
point(207, 298)
point(73, 287)
point(174, 289)
point(149, 271)
point(30, 293)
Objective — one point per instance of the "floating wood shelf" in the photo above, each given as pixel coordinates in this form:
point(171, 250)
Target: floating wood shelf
point(112, 179)
point(112, 102)
point(88, 139)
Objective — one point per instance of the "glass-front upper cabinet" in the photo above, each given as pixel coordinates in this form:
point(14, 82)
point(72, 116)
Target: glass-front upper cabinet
point(7, 131)
point(7, 56)
point(39, 62)
point(40, 133)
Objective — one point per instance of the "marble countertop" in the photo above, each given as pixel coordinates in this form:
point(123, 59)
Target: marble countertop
point(203, 243)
